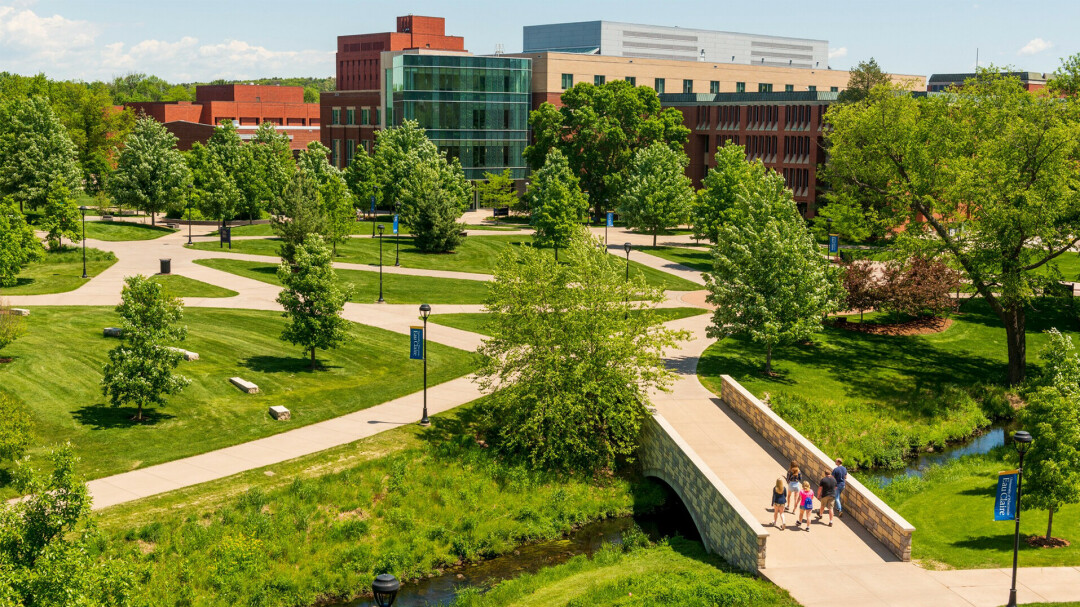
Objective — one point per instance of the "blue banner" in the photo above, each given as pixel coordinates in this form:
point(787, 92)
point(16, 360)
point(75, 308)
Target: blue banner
point(834, 243)
point(395, 224)
point(416, 343)
point(1005, 505)
point(372, 204)
point(610, 219)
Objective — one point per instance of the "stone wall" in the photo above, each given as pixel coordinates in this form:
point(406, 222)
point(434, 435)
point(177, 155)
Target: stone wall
point(859, 502)
point(726, 526)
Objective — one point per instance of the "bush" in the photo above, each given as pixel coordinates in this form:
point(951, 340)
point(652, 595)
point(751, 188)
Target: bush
point(862, 286)
point(921, 287)
point(15, 428)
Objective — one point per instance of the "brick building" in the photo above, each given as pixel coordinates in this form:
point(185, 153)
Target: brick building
point(246, 105)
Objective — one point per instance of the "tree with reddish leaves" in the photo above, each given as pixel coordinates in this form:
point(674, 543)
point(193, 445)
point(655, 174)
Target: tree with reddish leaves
point(863, 286)
point(920, 287)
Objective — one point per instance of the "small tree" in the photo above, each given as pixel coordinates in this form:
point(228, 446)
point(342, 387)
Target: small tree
point(338, 209)
point(11, 325)
point(301, 214)
point(18, 244)
point(769, 281)
point(140, 369)
point(61, 217)
point(862, 79)
point(362, 178)
point(557, 204)
point(497, 191)
point(15, 428)
point(862, 287)
point(719, 190)
point(312, 299)
point(657, 195)
point(35, 152)
point(919, 287)
point(151, 173)
point(568, 367)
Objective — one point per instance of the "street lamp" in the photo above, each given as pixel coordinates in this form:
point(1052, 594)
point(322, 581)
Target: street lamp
point(381, 300)
point(1022, 442)
point(373, 214)
point(397, 237)
point(190, 187)
point(626, 247)
point(425, 311)
point(385, 588)
point(83, 210)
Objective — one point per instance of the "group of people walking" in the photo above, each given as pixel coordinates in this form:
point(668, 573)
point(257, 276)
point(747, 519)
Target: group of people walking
point(794, 492)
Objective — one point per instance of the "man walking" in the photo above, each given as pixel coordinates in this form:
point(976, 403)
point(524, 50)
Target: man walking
point(826, 493)
point(840, 474)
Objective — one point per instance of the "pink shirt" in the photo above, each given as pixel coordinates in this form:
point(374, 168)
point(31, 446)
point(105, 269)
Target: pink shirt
point(805, 494)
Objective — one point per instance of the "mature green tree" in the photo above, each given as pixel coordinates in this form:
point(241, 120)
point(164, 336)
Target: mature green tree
point(598, 129)
point(300, 216)
point(568, 368)
point(238, 162)
point(769, 280)
point(1066, 80)
point(392, 158)
point(140, 87)
point(151, 173)
point(658, 194)
point(986, 174)
point(35, 152)
point(61, 217)
point(338, 210)
point(863, 78)
point(556, 203)
point(312, 299)
point(720, 187)
point(362, 177)
point(46, 539)
point(274, 158)
point(216, 194)
point(95, 125)
point(18, 244)
point(140, 369)
point(497, 191)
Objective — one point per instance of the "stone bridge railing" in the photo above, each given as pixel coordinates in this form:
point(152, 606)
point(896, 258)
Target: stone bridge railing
point(726, 526)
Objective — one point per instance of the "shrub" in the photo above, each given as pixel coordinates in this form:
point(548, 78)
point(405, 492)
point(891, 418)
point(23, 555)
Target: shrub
point(15, 428)
point(919, 288)
point(862, 286)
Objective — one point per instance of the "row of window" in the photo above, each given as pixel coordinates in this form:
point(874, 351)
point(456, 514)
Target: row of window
point(350, 116)
point(660, 85)
point(350, 151)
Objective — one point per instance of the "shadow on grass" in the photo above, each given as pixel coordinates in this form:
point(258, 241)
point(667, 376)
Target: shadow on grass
point(105, 417)
point(284, 364)
point(999, 543)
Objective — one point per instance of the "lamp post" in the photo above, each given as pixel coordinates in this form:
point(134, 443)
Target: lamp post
point(425, 311)
point(828, 222)
point(190, 187)
point(626, 247)
point(373, 215)
point(380, 264)
point(1022, 442)
point(385, 588)
point(83, 210)
point(397, 237)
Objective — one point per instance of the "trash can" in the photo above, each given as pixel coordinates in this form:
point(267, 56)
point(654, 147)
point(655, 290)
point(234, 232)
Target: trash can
point(166, 266)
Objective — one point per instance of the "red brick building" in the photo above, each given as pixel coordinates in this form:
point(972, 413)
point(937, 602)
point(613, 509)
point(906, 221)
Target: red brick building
point(351, 114)
point(246, 105)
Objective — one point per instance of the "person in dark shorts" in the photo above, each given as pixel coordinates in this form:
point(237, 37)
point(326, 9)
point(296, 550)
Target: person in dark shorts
point(826, 493)
point(840, 474)
point(779, 502)
point(794, 480)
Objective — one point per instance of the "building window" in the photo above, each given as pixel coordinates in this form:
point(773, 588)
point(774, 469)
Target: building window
point(687, 86)
point(365, 116)
point(714, 87)
point(740, 87)
point(834, 89)
point(350, 116)
point(764, 87)
point(567, 81)
point(658, 85)
point(335, 151)
point(812, 88)
point(335, 116)
point(377, 116)
point(350, 151)
point(789, 88)
point(598, 80)
point(632, 80)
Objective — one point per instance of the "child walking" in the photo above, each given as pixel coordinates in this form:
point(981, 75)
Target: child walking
point(806, 504)
point(779, 502)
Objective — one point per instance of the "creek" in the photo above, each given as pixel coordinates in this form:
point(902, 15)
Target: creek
point(989, 439)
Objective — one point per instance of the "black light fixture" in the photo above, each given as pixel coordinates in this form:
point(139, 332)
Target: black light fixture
point(381, 228)
point(397, 236)
point(425, 311)
point(190, 188)
point(373, 213)
point(626, 247)
point(83, 210)
point(1022, 442)
point(385, 588)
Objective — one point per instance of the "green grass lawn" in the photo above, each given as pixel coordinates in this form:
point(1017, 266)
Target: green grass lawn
point(182, 286)
point(477, 254)
point(121, 230)
point(952, 509)
point(408, 501)
point(475, 322)
point(59, 272)
point(397, 288)
point(699, 260)
point(871, 399)
point(356, 227)
point(673, 572)
point(57, 365)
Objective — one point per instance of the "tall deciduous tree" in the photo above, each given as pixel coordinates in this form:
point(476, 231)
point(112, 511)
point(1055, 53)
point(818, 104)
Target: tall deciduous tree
point(337, 200)
point(557, 204)
point(140, 369)
point(1066, 80)
point(273, 156)
point(769, 280)
point(657, 195)
point(312, 299)
point(598, 129)
point(61, 218)
point(497, 191)
point(238, 162)
point(392, 160)
point(35, 152)
point(862, 79)
point(568, 366)
point(216, 194)
point(720, 187)
point(300, 216)
point(988, 173)
point(18, 244)
point(362, 178)
point(151, 173)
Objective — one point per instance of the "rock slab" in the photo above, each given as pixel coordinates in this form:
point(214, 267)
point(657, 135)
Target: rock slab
point(20, 312)
point(244, 385)
point(111, 332)
point(280, 413)
point(186, 354)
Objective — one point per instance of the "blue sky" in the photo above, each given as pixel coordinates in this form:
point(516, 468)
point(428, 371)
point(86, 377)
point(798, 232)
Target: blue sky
point(203, 40)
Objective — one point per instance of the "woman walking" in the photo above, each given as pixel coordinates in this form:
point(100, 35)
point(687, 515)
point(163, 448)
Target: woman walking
point(779, 502)
point(806, 504)
point(794, 480)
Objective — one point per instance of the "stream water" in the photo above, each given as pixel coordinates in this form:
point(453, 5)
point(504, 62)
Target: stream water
point(992, 437)
point(441, 590)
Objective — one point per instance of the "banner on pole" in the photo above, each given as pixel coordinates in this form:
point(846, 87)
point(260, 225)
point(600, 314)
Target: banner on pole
point(395, 225)
point(372, 204)
point(416, 343)
point(610, 219)
point(1005, 504)
point(834, 243)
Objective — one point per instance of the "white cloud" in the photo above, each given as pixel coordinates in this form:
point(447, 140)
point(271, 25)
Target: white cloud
point(1037, 45)
point(837, 53)
point(24, 33)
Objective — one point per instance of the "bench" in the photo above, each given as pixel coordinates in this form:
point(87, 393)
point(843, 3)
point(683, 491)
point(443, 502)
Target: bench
point(244, 385)
point(106, 217)
point(111, 332)
point(500, 212)
point(280, 413)
point(172, 226)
